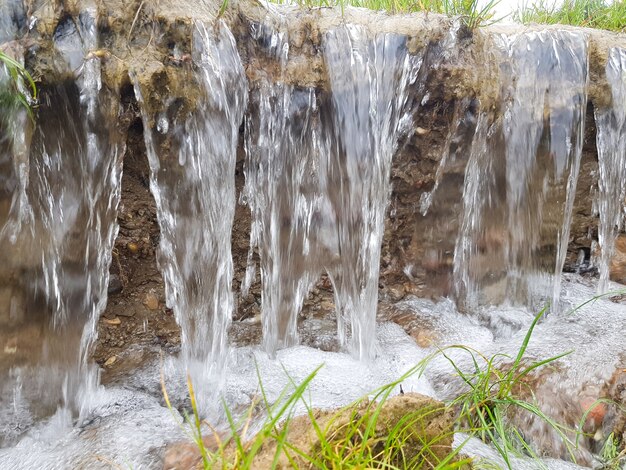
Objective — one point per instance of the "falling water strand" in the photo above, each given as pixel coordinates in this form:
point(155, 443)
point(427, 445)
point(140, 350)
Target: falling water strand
point(544, 133)
point(530, 207)
point(611, 144)
point(479, 199)
point(369, 80)
point(281, 151)
point(192, 167)
point(62, 222)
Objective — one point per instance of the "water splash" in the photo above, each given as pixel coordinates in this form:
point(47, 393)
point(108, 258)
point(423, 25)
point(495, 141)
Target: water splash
point(193, 183)
point(370, 80)
point(528, 207)
point(611, 144)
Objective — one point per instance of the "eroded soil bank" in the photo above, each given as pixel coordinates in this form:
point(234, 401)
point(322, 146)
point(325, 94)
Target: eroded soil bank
point(153, 43)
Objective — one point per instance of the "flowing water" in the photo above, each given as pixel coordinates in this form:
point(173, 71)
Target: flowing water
point(521, 178)
point(282, 148)
point(60, 192)
point(193, 183)
point(611, 142)
point(370, 80)
point(317, 180)
point(317, 166)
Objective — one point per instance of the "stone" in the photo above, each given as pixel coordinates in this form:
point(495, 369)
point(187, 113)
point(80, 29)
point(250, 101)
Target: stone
point(617, 270)
point(133, 247)
point(424, 338)
point(186, 455)
point(151, 301)
point(115, 284)
point(110, 361)
point(396, 292)
point(595, 410)
point(431, 422)
point(112, 321)
point(11, 346)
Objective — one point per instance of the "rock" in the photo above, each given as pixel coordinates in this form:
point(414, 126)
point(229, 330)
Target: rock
point(424, 420)
point(396, 292)
point(110, 361)
point(115, 284)
point(11, 346)
point(596, 412)
point(112, 321)
point(151, 301)
point(186, 455)
point(133, 247)
point(617, 270)
point(424, 338)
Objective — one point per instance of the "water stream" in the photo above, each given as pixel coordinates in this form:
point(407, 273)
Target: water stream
point(193, 183)
point(317, 165)
point(611, 140)
point(62, 194)
point(521, 178)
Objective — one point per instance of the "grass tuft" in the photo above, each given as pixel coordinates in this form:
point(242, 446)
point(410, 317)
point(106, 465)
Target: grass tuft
point(472, 12)
point(22, 90)
point(359, 435)
point(601, 14)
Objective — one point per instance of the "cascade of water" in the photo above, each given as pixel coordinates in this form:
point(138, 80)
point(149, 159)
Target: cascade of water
point(540, 140)
point(281, 150)
point(480, 197)
point(370, 80)
point(60, 229)
point(193, 182)
point(611, 144)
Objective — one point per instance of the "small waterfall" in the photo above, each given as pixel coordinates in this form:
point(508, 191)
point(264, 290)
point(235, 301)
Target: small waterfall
point(611, 143)
point(193, 183)
point(317, 179)
point(529, 207)
point(370, 80)
point(282, 140)
point(61, 224)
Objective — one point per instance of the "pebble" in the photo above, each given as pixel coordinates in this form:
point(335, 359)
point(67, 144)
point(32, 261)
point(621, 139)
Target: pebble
point(151, 301)
point(112, 321)
point(11, 346)
point(110, 361)
point(115, 285)
point(597, 413)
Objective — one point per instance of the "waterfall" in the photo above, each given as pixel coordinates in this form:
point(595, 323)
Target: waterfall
point(317, 179)
point(61, 225)
point(370, 80)
point(193, 183)
point(539, 146)
point(282, 141)
point(611, 143)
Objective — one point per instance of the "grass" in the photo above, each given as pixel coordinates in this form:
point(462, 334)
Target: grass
point(356, 437)
point(612, 457)
point(601, 14)
point(22, 90)
point(470, 11)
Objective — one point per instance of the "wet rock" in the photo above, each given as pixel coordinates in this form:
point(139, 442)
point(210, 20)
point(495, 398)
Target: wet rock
point(424, 338)
point(186, 455)
point(596, 411)
point(617, 270)
point(396, 292)
point(115, 284)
